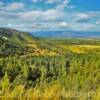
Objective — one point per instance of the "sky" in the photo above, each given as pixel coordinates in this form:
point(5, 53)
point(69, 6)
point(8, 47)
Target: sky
point(32, 15)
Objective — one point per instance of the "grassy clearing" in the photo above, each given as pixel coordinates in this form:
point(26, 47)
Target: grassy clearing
point(81, 48)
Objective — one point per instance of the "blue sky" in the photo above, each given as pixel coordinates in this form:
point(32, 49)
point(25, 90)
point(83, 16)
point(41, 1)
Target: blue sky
point(32, 15)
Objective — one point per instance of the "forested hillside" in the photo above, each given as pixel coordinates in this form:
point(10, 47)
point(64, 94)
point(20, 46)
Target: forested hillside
point(34, 68)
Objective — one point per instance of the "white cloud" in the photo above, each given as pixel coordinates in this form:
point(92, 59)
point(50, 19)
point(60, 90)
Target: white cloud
point(30, 15)
point(82, 16)
point(98, 22)
point(64, 24)
point(57, 1)
point(51, 18)
point(88, 26)
point(66, 2)
point(9, 25)
point(51, 1)
point(14, 6)
point(52, 14)
point(88, 15)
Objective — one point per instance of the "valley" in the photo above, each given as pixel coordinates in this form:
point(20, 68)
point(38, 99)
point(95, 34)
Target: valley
point(34, 68)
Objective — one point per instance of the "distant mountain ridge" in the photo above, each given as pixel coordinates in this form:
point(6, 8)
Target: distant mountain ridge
point(67, 34)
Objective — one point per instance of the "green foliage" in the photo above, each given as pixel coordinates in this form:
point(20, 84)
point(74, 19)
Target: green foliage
point(5, 82)
point(78, 72)
point(23, 75)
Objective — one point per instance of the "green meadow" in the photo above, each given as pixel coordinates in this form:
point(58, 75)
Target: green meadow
point(33, 68)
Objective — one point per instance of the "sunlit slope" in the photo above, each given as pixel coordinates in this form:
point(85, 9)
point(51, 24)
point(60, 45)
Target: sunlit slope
point(81, 48)
point(78, 45)
point(14, 42)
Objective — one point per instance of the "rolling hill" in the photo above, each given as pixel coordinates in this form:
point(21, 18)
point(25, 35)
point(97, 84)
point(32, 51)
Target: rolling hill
point(31, 67)
point(14, 41)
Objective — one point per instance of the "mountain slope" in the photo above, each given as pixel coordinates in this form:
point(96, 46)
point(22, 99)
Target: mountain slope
point(14, 42)
point(15, 36)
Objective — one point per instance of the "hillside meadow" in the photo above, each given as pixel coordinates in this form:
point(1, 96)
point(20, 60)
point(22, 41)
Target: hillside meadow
point(34, 68)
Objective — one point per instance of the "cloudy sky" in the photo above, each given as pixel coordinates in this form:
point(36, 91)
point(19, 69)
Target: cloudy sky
point(30, 15)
